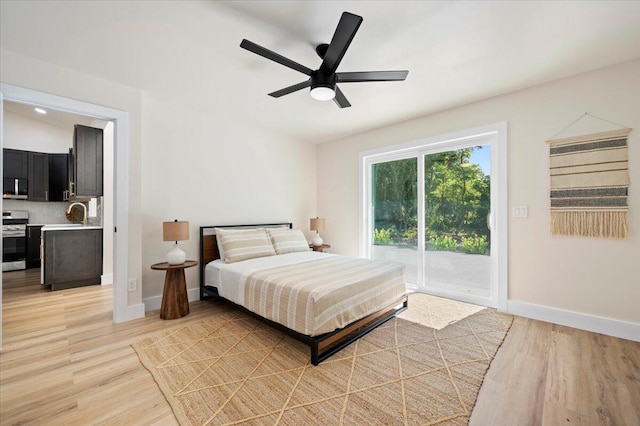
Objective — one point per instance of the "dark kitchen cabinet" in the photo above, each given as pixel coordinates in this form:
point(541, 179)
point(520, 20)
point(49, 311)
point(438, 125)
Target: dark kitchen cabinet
point(15, 173)
point(86, 174)
point(38, 176)
point(71, 174)
point(16, 164)
point(33, 246)
point(72, 258)
point(58, 177)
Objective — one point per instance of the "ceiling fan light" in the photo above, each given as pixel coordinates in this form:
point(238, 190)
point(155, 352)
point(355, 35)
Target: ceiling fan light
point(321, 93)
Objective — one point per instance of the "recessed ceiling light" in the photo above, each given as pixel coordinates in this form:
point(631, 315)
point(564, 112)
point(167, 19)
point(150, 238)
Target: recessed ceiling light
point(40, 111)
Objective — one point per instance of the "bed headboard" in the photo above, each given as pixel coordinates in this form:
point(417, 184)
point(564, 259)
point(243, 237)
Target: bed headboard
point(209, 244)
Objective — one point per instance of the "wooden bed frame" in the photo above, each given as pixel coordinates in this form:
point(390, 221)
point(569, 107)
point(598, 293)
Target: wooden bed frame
point(322, 346)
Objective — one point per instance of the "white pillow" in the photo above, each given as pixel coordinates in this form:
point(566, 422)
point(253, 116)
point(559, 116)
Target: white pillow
point(230, 230)
point(219, 242)
point(246, 244)
point(288, 240)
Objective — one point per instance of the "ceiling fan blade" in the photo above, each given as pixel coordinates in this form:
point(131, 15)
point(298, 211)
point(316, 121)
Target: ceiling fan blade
point(354, 77)
point(340, 99)
point(269, 54)
point(346, 30)
point(290, 89)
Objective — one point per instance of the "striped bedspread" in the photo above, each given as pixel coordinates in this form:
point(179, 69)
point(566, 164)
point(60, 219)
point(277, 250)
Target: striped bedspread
point(320, 296)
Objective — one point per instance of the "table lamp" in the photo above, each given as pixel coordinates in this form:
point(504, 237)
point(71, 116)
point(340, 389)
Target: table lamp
point(175, 231)
point(316, 224)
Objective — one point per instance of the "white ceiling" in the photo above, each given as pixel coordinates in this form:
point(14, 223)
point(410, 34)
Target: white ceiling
point(188, 52)
point(64, 120)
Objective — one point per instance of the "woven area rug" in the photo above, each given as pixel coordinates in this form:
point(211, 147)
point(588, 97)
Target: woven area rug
point(233, 369)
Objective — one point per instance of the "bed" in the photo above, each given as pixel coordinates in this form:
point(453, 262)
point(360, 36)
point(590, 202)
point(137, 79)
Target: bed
point(324, 300)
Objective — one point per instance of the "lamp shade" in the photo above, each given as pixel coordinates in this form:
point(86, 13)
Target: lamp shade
point(316, 224)
point(175, 231)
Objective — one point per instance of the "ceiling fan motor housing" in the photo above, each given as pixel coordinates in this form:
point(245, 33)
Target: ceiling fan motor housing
point(320, 79)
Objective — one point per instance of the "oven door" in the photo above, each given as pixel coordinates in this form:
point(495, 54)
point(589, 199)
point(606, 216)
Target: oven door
point(14, 252)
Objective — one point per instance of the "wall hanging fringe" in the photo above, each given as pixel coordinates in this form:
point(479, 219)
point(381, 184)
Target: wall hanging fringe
point(589, 184)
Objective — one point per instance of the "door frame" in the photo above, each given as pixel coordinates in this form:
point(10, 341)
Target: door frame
point(121, 310)
point(499, 215)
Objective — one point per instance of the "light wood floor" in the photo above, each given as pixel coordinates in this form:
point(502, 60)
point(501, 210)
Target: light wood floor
point(65, 362)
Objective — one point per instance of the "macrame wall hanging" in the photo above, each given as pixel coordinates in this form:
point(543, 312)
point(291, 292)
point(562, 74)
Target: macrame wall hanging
point(589, 183)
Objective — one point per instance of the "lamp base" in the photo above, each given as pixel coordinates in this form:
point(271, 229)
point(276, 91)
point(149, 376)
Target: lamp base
point(176, 256)
point(317, 240)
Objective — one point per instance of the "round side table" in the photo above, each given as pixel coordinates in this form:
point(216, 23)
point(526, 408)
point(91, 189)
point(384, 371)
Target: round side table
point(175, 303)
point(321, 248)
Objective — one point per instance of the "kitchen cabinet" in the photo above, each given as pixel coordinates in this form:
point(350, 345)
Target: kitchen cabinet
point(16, 163)
point(15, 173)
point(72, 257)
point(38, 189)
point(58, 177)
point(33, 246)
point(86, 173)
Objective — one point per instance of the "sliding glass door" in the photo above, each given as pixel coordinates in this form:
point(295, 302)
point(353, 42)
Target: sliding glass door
point(394, 211)
point(431, 208)
point(457, 202)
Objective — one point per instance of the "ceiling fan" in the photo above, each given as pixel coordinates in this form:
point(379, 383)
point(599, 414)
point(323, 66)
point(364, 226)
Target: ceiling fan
point(323, 81)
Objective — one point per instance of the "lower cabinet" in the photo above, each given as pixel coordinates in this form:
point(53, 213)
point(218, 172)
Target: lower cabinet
point(72, 258)
point(33, 246)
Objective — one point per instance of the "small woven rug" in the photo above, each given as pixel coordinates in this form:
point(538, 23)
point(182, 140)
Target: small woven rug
point(232, 369)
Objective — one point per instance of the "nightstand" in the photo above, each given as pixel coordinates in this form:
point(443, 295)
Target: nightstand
point(175, 303)
point(319, 248)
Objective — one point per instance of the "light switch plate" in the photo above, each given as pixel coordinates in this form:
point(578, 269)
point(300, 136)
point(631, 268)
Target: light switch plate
point(519, 211)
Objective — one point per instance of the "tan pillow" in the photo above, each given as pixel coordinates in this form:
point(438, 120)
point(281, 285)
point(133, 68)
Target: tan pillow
point(243, 245)
point(288, 240)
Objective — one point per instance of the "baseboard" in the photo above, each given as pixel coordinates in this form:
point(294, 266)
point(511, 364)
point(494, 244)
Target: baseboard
point(106, 279)
point(154, 302)
point(131, 313)
point(596, 324)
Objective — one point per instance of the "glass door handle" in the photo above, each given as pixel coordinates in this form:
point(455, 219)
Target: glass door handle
point(489, 221)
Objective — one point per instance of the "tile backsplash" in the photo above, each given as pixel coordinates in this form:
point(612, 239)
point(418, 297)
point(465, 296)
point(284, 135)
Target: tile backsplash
point(45, 213)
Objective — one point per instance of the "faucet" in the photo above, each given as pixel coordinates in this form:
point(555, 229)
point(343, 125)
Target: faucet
point(84, 220)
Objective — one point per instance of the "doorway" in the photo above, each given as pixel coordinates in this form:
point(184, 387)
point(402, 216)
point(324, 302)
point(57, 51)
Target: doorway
point(439, 207)
point(121, 309)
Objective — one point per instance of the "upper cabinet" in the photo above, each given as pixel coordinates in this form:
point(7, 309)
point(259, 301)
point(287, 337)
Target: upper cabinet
point(15, 173)
point(58, 177)
point(16, 164)
point(85, 173)
point(38, 176)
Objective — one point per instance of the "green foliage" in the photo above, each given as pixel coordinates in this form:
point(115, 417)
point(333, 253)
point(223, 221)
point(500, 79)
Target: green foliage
point(410, 235)
point(475, 245)
point(456, 200)
point(395, 197)
point(382, 237)
point(456, 194)
point(444, 243)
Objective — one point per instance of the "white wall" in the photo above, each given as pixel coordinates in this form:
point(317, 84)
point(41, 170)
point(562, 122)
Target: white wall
point(24, 133)
point(212, 170)
point(600, 278)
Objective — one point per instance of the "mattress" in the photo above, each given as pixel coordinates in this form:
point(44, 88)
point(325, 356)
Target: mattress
point(310, 292)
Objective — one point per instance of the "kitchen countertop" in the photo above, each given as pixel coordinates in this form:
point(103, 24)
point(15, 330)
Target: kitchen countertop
point(68, 227)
